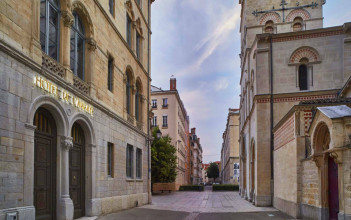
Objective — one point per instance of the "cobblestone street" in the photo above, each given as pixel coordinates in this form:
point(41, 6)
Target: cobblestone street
point(205, 205)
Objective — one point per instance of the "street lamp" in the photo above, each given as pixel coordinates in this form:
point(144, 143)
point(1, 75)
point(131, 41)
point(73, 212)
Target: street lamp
point(159, 134)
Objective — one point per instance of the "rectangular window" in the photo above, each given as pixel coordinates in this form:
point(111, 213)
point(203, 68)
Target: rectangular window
point(154, 103)
point(110, 74)
point(138, 45)
point(129, 160)
point(154, 121)
point(165, 121)
point(138, 163)
point(110, 159)
point(111, 6)
point(165, 102)
point(129, 31)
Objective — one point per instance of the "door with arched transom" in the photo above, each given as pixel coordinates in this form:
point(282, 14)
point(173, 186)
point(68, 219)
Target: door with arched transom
point(45, 151)
point(77, 171)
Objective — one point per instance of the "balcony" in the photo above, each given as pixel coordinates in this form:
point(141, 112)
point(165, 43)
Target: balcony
point(165, 106)
point(154, 106)
point(130, 119)
point(165, 126)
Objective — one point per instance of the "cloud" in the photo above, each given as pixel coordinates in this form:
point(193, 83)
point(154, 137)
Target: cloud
point(214, 38)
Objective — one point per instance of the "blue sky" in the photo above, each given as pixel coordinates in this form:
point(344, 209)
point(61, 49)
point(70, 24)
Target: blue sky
point(198, 41)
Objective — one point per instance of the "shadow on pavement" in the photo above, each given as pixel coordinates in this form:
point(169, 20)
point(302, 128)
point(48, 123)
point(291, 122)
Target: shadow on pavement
point(244, 215)
point(145, 214)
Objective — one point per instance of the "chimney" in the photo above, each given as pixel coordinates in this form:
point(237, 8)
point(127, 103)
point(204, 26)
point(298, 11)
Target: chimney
point(173, 83)
point(193, 130)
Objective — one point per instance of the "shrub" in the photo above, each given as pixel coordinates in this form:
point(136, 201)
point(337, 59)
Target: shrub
point(225, 187)
point(191, 188)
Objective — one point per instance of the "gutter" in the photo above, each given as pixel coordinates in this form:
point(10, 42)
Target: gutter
point(271, 116)
point(148, 110)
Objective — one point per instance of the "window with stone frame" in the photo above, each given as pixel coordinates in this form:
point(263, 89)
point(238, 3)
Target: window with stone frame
point(303, 77)
point(129, 92)
point(269, 27)
point(138, 102)
point(49, 27)
point(129, 161)
point(110, 161)
point(111, 7)
point(77, 47)
point(154, 121)
point(138, 163)
point(298, 24)
point(110, 74)
point(165, 121)
point(154, 103)
point(129, 31)
point(138, 46)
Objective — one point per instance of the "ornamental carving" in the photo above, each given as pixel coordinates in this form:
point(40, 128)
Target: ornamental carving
point(83, 12)
point(304, 52)
point(129, 7)
point(130, 119)
point(80, 85)
point(67, 18)
point(137, 24)
point(52, 66)
point(66, 143)
point(298, 13)
point(140, 125)
point(318, 160)
point(91, 44)
point(271, 16)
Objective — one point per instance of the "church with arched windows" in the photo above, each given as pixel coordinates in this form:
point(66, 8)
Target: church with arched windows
point(74, 115)
point(295, 144)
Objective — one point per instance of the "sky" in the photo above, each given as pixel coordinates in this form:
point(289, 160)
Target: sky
point(198, 41)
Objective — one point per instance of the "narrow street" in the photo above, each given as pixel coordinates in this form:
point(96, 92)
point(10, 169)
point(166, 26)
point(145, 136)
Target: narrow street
point(205, 205)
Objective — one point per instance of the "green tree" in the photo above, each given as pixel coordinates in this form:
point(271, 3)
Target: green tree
point(163, 159)
point(213, 171)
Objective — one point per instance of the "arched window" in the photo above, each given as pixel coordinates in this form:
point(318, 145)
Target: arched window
point(269, 27)
point(297, 25)
point(77, 47)
point(138, 98)
point(128, 92)
point(303, 76)
point(49, 27)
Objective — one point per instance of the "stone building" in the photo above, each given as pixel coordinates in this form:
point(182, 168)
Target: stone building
point(196, 158)
point(74, 88)
point(288, 57)
point(171, 117)
point(204, 172)
point(230, 149)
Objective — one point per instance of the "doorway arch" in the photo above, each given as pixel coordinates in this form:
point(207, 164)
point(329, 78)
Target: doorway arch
point(328, 169)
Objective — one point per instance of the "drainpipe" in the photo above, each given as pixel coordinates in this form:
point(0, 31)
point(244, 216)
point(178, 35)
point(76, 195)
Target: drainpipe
point(148, 110)
point(271, 116)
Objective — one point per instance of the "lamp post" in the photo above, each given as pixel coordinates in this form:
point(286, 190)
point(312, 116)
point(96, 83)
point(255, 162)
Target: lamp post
point(159, 134)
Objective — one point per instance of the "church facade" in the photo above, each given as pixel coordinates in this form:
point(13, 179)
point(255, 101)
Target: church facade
point(288, 57)
point(74, 126)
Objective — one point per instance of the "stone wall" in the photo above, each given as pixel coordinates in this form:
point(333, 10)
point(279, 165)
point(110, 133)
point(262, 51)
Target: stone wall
point(310, 183)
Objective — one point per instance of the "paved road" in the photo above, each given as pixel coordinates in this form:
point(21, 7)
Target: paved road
point(205, 205)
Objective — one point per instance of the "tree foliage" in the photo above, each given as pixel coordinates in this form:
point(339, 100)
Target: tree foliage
point(163, 159)
point(213, 171)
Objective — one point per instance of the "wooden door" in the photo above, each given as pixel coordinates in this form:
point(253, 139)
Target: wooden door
point(44, 165)
point(77, 171)
point(333, 189)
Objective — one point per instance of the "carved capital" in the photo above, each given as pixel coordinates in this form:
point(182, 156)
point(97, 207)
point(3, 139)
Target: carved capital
point(67, 18)
point(318, 160)
point(66, 143)
point(91, 44)
point(337, 154)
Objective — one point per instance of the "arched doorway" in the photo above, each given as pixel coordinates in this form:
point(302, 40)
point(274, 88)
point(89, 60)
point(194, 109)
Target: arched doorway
point(77, 170)
point(328, 171)
point(45, 150)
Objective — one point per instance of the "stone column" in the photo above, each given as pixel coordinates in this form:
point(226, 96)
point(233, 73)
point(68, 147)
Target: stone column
point(66, 204)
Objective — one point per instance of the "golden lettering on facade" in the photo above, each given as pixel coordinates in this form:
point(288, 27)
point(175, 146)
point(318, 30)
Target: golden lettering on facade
point(62, 94)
